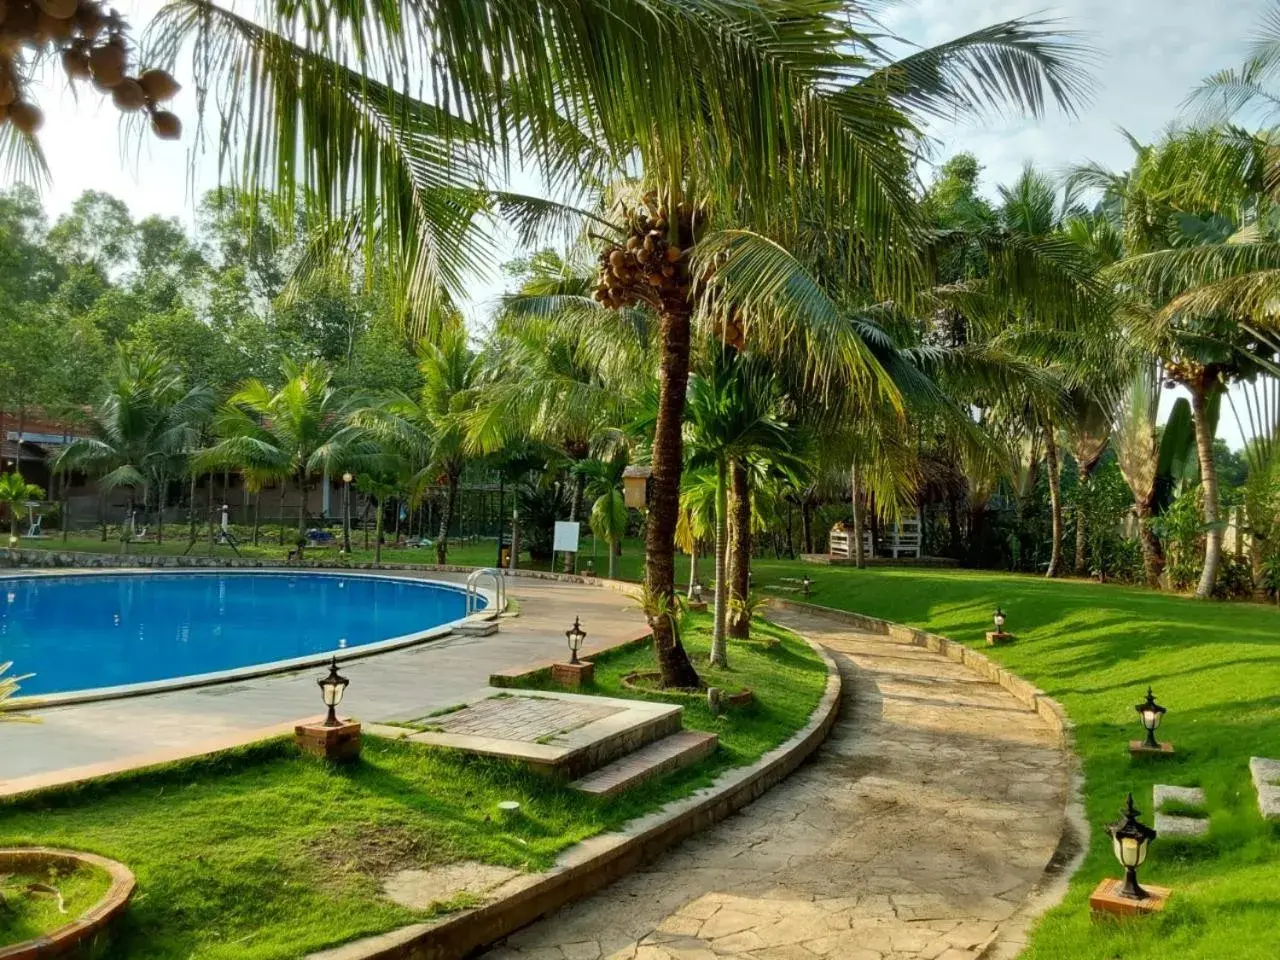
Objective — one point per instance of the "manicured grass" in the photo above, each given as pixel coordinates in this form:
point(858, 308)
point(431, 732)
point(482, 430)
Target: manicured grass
point(264, 853)
point(25, 915)
point(1095, 648)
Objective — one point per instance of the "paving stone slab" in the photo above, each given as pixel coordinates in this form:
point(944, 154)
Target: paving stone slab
point(1171, 825)
point(1266, 778)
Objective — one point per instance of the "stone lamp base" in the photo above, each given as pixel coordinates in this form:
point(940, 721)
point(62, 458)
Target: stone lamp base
point(1106, 900)
point(573, 675)
point(996, 637)
point(338, 744)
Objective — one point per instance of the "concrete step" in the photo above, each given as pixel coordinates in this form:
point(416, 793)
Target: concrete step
point(674, 752)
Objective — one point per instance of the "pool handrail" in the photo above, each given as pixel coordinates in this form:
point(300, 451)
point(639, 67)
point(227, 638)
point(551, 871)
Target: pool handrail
point(499, 589)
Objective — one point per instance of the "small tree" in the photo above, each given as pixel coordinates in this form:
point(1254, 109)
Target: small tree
point(17, 493)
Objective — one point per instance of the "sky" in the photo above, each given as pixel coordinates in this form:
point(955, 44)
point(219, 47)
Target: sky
point(1150, 54)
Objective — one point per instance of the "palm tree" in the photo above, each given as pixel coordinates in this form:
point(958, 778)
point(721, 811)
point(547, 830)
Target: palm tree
point(734, 414)
point(609, 515)
point(17, 493)
point(299, 431)
point(141, 430)
point(1136, 440)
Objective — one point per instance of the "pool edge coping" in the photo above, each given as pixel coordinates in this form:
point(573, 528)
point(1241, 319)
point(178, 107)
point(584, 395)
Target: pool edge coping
point(253, 671)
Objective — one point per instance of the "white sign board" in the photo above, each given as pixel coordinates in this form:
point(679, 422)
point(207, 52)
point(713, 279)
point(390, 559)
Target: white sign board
point(566, 538)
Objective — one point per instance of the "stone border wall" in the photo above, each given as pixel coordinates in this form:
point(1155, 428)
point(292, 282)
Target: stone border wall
point(76, 934)
point(598, 861)
point(1073, 842)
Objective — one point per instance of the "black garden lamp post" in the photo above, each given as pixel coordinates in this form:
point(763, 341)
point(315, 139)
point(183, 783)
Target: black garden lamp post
point(805, 585)
point(575, 635)
point(332, 688)
point(346, 511)
point(1130, 840)
point(697, 591)
point(1151, 713)
point(999, 619)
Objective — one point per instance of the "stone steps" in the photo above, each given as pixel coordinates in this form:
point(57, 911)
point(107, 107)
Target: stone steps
point(673, 752)
point(1179, 825)
point(1266, 779)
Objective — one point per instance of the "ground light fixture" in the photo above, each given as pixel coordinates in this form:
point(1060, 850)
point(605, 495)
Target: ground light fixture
point(697, 591)
point(575, 635)
point(999, 619)
point(1151, 713)
point(998, 635)
point(806, 585)
point(332, 688)
point(1130, 841)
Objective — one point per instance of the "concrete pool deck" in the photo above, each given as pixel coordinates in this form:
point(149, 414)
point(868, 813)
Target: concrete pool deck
point(408, 682)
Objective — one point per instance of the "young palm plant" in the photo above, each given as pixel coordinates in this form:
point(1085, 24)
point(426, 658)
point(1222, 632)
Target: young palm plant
point(16, 493)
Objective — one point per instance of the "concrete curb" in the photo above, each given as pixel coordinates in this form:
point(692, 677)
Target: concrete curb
point(1010, 938)
point(586, 867)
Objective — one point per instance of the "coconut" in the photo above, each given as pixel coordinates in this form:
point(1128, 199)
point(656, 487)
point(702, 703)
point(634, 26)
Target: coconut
point(107, 64)
point(673, 253)
point(76, 64)
point(159, 86)
point(90, 20)
point(26, 117)
point(166, 125)
point(54, 28)
point(59, 9)
point(618, 260)
point(128, 95)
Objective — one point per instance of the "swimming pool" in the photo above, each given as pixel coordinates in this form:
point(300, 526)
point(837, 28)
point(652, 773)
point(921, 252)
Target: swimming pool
point(89, 632)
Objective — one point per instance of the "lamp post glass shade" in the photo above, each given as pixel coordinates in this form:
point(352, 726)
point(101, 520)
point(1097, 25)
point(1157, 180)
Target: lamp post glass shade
point(347, 477)
point(1130, 841)
point(999, 620)
point(332, 687)
point(1151, 713)
point(575, 635)
point(697, 591)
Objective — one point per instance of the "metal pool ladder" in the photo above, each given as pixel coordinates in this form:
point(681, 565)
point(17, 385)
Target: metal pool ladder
point(499, 589)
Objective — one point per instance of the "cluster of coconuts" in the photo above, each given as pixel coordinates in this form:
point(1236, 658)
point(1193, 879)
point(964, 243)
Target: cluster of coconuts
point(649, 267)
point(93, 47)
point(1181, 371)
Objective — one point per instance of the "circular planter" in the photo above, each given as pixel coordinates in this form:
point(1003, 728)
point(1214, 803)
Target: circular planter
point(66, 939)
point(739, 699)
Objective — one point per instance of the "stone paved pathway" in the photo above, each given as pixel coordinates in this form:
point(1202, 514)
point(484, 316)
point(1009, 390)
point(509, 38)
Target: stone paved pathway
point(922, 825)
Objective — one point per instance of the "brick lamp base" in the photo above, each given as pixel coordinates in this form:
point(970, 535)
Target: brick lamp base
point(996, 637)
point(1106, 899)
point(1140, 748)
point(573, 674)
point(338, 744)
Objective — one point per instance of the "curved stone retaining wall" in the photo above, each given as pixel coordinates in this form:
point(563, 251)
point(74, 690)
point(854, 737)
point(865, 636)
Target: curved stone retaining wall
point(71, 937)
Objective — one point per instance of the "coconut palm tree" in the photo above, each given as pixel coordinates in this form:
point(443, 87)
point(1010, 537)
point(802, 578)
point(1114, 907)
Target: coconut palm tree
point(300, 431)
point(142, 430)
point(16, 493)
point(609, 516)
point(1135, 438)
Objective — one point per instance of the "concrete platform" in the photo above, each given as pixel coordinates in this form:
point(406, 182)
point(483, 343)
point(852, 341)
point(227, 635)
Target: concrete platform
point(560, 735)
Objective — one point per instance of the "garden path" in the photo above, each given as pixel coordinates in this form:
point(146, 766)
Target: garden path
point(924, 822)
point(410, 682)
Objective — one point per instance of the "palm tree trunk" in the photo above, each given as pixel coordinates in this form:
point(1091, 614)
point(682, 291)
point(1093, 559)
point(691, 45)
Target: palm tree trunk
point(664, 497)
point(160, 490)
point(1152, 552)
point(302, 507)
point(806, 526)
point(191, 512)
point(1209, 483)
point(282, 495)
point(377, 531)
point(257, 515)
point(693, 565)
point(613, 559)
point(1055, 502)
point(859, 554)
point(719, 655)
point(446, 511)
point(740, 548)
point(1082, 477)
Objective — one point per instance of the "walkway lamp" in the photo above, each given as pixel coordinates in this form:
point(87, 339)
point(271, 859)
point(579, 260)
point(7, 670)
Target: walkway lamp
point(332, 689)
point(999, 619)
point(1130, 841)
point(346, 511)
point(575, 635)
point(805, 585)
point(697, 591)
point(1151, 713)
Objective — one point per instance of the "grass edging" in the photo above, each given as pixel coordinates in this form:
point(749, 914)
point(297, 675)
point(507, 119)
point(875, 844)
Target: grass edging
point(78, 931)
point(586, 867)
point(1073, 842)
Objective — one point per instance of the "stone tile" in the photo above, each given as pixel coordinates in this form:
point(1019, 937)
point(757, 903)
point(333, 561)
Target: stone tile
point(1171, 825)
point(1162, 793)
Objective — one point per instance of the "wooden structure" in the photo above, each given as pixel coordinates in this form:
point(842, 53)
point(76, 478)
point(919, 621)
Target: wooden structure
point(904, 538)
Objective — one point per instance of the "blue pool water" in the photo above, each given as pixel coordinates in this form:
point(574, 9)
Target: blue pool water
point(84, 632)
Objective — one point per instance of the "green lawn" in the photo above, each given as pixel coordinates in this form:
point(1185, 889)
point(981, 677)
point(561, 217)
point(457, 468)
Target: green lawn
point(263, 853)
point(1095, 648)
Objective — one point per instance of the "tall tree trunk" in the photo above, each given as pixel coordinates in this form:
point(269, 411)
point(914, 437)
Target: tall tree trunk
point(664, 497)
point(1055, 501)
point(282, 496)
point(1081, 567)
point(613, 559)
point(693, 565)
point(257, 515)
point(1209, 484)
point(719, 655)
point(806, 526)
point(575, 514)
point(446, 512)
point(740, 548)
point(377, 531)
point(515, 536)
point(302, 507)
point(161, 487)
point(191, 511)
point(859, 553)
point(1152, 552)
